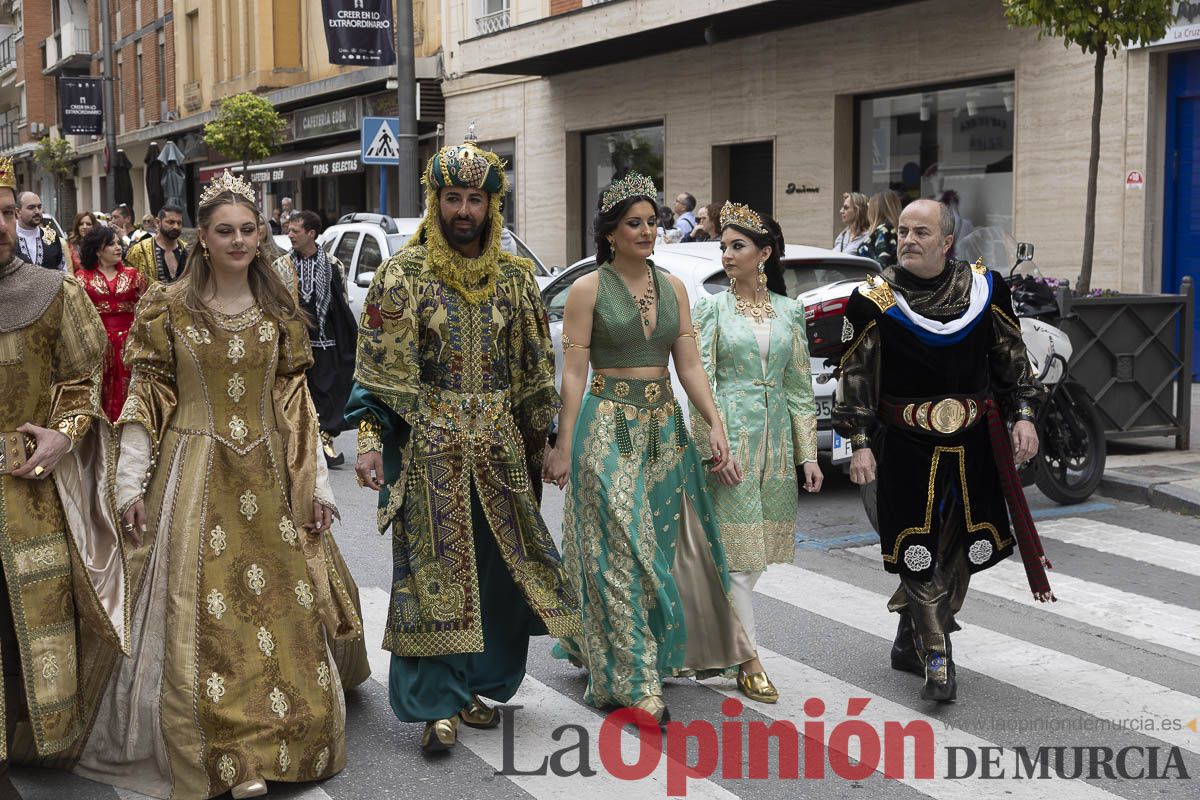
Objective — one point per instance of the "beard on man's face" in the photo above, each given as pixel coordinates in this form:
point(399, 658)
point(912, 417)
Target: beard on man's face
point(458, 233)
point(171, 233)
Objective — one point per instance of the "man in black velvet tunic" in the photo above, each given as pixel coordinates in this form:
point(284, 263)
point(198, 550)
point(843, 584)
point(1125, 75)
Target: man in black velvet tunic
point(934, 367)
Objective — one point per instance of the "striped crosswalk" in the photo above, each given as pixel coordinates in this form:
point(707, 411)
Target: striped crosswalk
point(1027, 665)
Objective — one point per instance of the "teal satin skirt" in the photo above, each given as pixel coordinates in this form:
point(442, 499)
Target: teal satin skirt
point(642, 548)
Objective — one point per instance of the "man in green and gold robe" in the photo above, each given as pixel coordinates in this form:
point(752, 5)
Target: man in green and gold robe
point(453, 396)
point(62, 559)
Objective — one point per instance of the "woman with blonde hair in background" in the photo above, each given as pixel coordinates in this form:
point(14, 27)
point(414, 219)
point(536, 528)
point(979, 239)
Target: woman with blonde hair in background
point(854, 217)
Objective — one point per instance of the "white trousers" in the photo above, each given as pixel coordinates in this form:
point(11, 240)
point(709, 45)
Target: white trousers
point(741, 585)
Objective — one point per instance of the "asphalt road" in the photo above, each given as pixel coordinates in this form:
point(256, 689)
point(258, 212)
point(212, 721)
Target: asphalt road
point(1113, 666)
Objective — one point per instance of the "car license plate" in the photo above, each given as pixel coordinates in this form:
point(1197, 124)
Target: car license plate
point(824, 408)
point(841, 449)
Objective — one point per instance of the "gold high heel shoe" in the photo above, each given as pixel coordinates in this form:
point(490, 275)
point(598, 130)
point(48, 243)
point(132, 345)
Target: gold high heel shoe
point(252, 788)
point(440, 734)
point(478, 714)
point(757, 686)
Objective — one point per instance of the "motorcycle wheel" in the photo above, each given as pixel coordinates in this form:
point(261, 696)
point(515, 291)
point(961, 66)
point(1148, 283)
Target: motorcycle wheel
point(1072, 452)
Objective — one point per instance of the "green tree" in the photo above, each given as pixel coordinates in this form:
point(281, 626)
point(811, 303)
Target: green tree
point(1097, 27)
point(247, 128)
point(56, 158)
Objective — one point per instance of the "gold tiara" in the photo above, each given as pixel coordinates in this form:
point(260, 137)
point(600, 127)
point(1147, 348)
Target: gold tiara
point(632, 185)
point(8, 175)
point(743, 217)
point(227, 183)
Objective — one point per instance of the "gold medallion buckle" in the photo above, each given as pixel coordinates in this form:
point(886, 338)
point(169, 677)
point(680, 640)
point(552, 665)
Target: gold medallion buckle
point(948, 415)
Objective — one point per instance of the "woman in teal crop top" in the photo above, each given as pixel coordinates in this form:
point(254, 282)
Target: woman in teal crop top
point(640, 539)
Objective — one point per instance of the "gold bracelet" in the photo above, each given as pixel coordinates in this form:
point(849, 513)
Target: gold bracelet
point(74, 428)
point(568, 344)
point(370, 435)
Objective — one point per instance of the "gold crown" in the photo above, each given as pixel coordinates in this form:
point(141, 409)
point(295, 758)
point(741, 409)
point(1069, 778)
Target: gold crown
point(632, 185)
point(227, 183)
point(743, 217)
point(8, 176)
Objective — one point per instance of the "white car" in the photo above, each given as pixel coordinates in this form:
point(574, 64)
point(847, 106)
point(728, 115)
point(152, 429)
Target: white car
point(365, 241)
point(822, 280)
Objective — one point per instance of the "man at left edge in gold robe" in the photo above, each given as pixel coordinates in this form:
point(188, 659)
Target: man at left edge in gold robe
point(62, 586)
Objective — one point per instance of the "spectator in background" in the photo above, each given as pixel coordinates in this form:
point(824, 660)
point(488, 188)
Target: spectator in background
point(122, 219)
point(37, 240)
point(883, 212)
point(286, 212)
point(962, 225)
point(857, 224)
point(707, 224)
point(84, 222)
point(275, 223)
point(149, 227)
point(666, 220)
point(685, 220)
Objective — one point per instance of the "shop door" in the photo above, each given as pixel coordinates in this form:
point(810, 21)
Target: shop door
point(1181, 240)
point(752, 175)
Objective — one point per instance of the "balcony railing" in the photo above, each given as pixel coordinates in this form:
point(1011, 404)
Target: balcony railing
point(70, 46)
point(492, 23)
point(10, 133)
point(8, 52)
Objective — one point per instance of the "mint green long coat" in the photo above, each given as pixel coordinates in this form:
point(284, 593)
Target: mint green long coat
point(770, 421)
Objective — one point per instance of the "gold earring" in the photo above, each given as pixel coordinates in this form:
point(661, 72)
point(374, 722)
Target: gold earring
point(762, 275)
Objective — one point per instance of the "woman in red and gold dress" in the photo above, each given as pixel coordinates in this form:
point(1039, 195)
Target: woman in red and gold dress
point(115, 290)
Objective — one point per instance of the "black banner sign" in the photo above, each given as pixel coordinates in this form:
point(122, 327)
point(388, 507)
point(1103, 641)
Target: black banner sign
point(359, 32)
point(81, 104)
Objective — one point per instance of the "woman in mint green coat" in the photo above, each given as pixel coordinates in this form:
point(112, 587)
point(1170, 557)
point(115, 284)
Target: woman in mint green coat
point(755, 351)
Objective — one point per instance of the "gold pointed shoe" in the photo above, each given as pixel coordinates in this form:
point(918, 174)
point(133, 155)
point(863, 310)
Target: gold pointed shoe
point(758, 687)
point(440, 734)
point(254, 788)
point(478, 714)
point(656, 707)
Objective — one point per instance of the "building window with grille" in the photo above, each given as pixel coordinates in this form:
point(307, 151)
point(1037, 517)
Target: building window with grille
point(610, 154)
point(953, 143)
point(491, 16)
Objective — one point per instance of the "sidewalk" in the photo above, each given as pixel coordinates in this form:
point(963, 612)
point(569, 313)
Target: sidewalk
point(1151, 471)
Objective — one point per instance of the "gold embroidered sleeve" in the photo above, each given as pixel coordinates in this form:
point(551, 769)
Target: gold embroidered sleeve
point(150, 357)
point(706, 323)
point(388, 363)
point(78, 360)
point(531, 367)
point(297, 418)
point(370, 435)
point(141, 258)
point(797, 387)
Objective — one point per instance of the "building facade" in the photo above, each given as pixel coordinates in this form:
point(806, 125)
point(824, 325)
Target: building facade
point(213, 49)
point(789, 105)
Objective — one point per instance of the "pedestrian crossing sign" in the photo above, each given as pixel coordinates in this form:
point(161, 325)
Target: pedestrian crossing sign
point(380, 137)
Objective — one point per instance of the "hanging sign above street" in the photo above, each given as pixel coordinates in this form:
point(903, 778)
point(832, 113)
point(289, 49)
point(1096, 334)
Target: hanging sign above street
point(82, 104)
point(359, 32)
point(379, 140)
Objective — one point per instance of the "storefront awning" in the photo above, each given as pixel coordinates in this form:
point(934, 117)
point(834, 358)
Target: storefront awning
point(621, 30)
point(338, 159)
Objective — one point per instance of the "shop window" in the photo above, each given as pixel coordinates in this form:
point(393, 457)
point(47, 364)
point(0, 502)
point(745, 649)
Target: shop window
point(952, 143)
point(610, 154)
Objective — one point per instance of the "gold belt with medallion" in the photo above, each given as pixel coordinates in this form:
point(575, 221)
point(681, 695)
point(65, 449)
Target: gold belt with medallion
point(938, 415)
point(470, 413)
point(650, 402)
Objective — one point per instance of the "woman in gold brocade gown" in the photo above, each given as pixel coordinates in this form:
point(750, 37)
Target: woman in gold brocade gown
point(231, 683)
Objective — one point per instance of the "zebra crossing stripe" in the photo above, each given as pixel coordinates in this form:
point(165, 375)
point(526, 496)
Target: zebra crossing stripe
point(544, 710)
point(1099, 691)
point(800, 682)
point(1135, 545)
point(1133, 615)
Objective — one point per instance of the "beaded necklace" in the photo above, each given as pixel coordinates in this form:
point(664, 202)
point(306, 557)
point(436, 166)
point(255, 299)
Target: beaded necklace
point(646, 301)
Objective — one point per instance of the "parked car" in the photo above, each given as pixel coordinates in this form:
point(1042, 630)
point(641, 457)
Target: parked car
point(364, 241)
point(822, 279)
